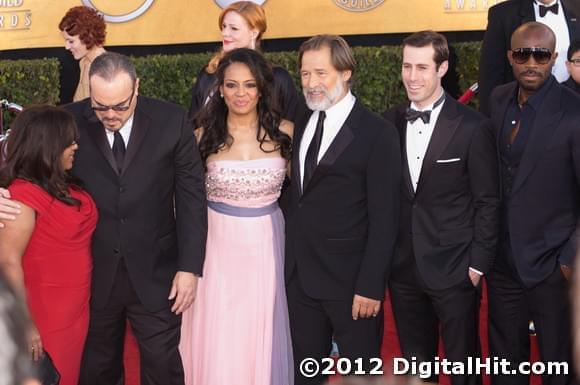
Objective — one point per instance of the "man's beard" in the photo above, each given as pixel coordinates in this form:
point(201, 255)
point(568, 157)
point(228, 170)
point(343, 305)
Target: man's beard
point(329, 99)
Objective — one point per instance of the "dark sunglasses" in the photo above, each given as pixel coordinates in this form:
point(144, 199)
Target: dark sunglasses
point(121, 107)
point(522, 55)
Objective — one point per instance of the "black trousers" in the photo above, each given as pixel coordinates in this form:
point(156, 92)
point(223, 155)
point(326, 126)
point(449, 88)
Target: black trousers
point(314, 323)
point(420, 312)
point(157, 334)
point(512, 306)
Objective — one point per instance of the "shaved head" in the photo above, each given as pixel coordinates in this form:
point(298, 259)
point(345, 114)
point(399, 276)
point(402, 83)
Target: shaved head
point(533, 32)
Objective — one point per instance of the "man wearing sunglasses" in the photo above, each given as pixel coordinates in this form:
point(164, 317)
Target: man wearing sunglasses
point(138, 159)
point(537, 123)
point(560, 15)
point(573, 66)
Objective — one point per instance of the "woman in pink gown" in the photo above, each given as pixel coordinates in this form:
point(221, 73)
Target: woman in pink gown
point(237, 330)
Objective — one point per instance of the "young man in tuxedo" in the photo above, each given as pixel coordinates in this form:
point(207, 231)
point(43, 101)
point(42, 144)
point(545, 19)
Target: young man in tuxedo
point(343, 213)
point(503, 18)
point(449, 211)
point(537, 123)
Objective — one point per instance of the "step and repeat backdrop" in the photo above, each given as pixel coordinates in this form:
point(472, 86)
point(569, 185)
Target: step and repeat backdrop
point(34, 23)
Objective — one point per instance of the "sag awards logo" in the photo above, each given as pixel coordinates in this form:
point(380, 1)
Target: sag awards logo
point(452, 6)
point(132, 15)
point(358, 5)
point(226, 3)
point(13, 17)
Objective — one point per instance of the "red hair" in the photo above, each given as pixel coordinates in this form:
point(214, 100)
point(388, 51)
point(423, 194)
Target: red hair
point(86, 23)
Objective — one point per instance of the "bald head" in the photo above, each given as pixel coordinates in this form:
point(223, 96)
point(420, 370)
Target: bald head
point(533, 34)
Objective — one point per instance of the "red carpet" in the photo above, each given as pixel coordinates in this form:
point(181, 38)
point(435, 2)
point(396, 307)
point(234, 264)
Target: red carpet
point(390, 348)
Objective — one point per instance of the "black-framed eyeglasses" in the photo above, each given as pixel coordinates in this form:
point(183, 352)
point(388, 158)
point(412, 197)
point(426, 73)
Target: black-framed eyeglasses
point(575, 62)
point(522, 55)
point(121, 107)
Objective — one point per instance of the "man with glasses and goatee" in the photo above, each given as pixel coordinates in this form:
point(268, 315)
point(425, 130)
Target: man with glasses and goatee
point(537, 122)
point(503, 18)
point(138, 159)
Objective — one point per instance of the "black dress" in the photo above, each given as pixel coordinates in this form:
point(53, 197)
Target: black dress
point(283, 83)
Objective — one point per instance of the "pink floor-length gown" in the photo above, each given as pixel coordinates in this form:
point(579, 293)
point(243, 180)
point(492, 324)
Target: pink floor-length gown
point(237, 330)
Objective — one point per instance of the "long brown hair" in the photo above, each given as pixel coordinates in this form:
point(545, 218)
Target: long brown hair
point(38, 137)
point(253, 14)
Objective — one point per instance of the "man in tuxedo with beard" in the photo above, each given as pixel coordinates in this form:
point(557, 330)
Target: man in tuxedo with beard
point(343, 213)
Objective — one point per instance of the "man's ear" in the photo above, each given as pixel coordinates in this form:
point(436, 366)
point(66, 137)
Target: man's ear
point(346, 75)
point(443, 68)
point(137, 87)
point(510, 58)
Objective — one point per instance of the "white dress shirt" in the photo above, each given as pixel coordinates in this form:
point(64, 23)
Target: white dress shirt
point(335, 118)
point(125, 132)
point(558, 24)
point(418, 137)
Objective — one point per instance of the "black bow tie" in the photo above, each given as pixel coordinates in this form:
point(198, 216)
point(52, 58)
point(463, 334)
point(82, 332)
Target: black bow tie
point(552, 8)
point(411, 115)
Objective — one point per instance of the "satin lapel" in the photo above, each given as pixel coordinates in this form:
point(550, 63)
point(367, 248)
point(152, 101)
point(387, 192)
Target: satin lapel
point(401, 124)
point(547, 119)
point(527, 11)
point(298, 134)
point(97, 134)
point(571, 19)
point(339, 144)
point(141, 123)
point(447, 123)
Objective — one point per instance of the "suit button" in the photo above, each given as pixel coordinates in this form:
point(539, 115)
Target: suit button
point(123, 220)
point(121, 189)
point(116, 251)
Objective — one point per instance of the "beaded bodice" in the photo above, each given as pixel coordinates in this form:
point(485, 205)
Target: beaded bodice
point(245, 183)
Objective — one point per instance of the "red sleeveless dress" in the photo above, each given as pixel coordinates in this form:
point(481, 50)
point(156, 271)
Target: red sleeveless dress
point(57, 267)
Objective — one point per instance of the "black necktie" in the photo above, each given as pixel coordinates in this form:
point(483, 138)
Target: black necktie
point(119, 150)
point(552, 8)
point(411, 115)
point(311, 160)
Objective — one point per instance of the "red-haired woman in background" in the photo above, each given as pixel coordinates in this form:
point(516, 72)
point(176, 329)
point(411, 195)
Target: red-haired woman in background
point(242, 25)
point(83, 31)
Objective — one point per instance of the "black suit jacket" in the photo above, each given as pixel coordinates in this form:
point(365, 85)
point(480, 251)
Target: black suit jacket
point(544, 209)
point(341, 230)
point(452, 219)
point(154, 214)
point(503, 19)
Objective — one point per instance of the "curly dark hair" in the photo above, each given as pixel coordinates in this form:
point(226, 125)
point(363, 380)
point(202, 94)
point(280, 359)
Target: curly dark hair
point(213, 116)
point(38, 137)
point(85, 22)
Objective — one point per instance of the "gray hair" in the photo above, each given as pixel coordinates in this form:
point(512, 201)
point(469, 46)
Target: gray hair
point(110, 64)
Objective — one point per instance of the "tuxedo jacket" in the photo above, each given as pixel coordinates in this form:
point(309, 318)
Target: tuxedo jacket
point(451, 220)
point(544, 206)
point(503, 19)
point(152, 215)
point(341, 228)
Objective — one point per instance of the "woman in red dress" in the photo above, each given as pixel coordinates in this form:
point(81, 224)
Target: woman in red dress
point(45, 251)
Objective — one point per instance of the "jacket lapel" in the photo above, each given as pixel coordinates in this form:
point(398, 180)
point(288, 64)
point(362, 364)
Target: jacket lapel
point(571, 19)
point(401, 124)
point(447, 123)
point(339, 144)
point(547, 119)
point(527, 11)
point(141, 122)
point(96, 132)
point(298, 134)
